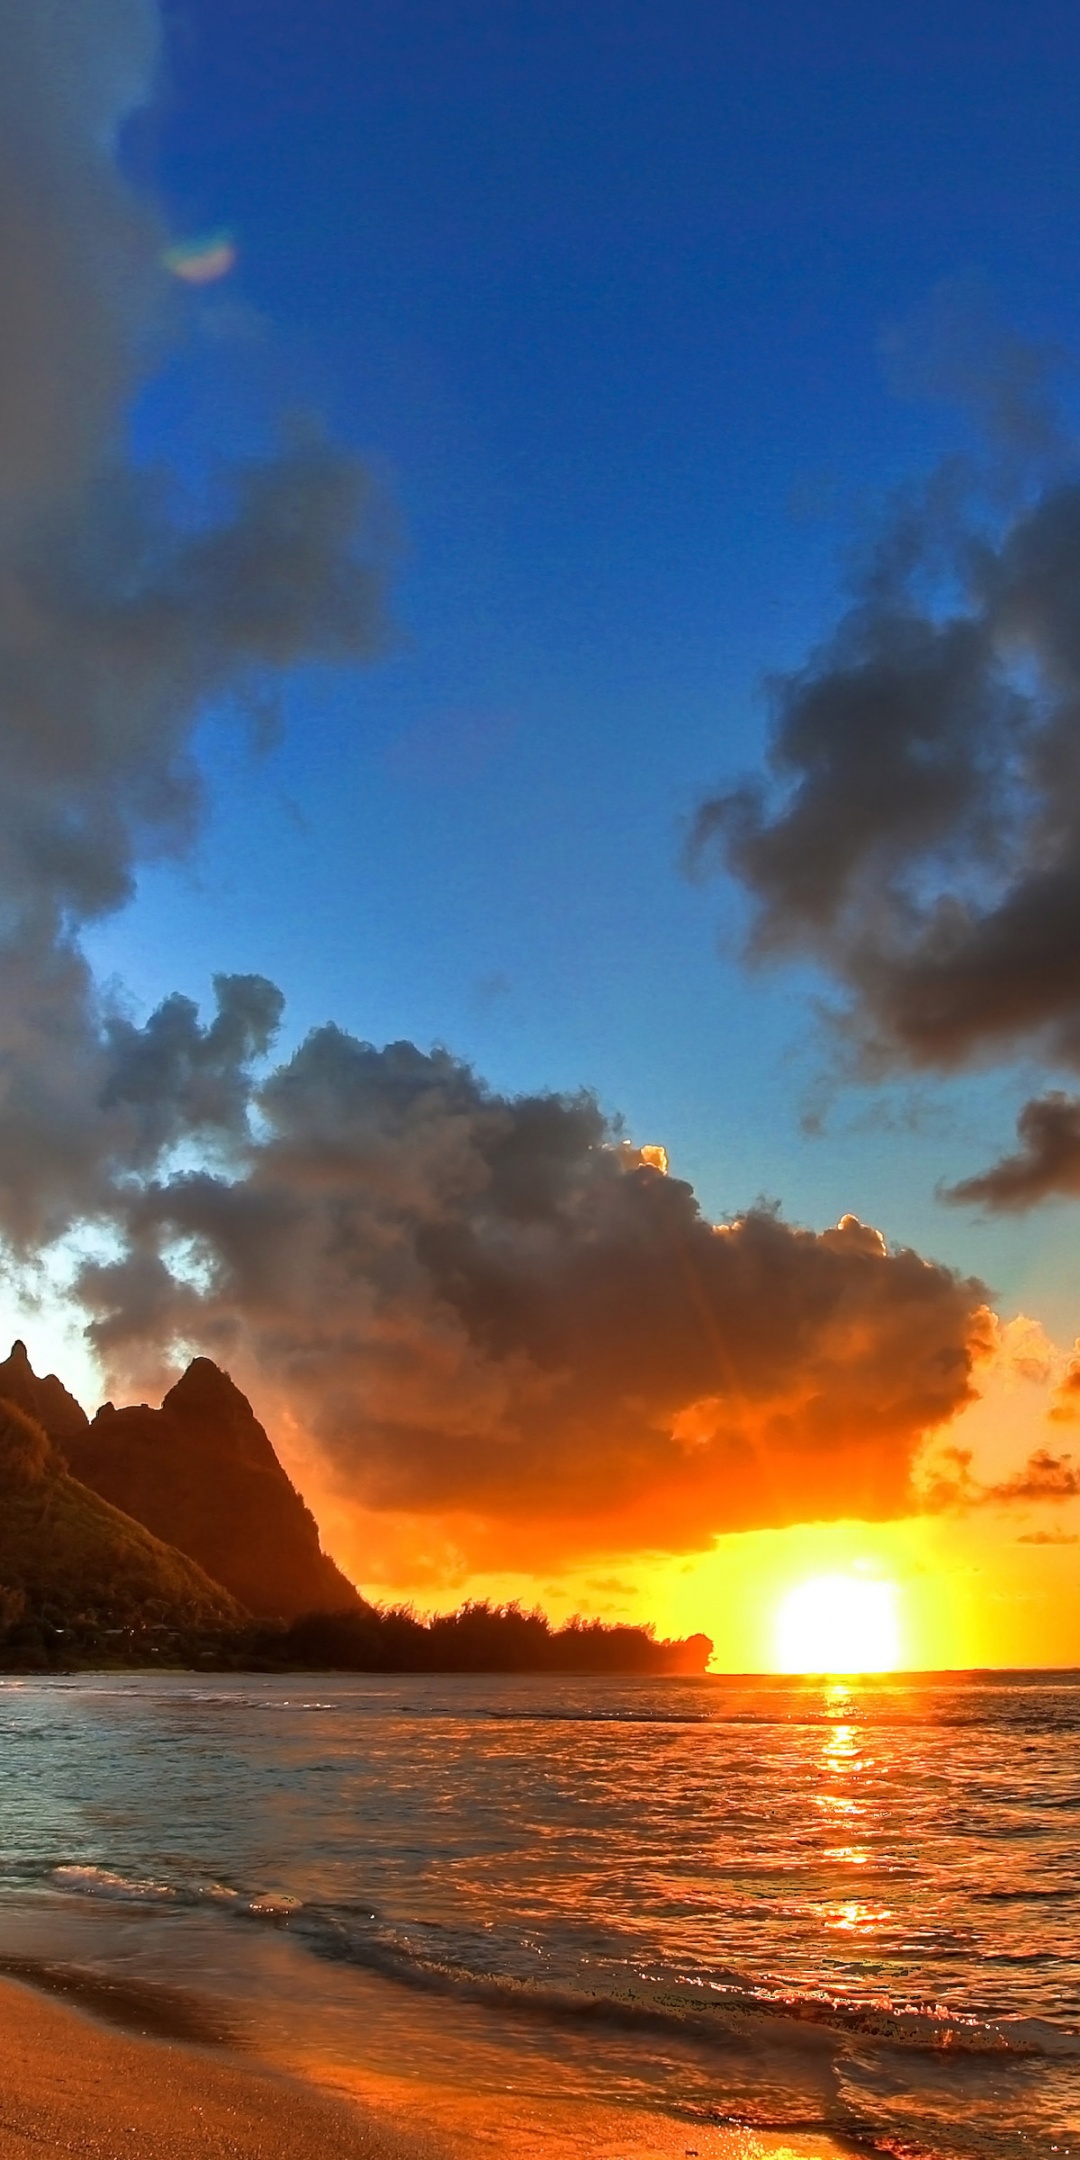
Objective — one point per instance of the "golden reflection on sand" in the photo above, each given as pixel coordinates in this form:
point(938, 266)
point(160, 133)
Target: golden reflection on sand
point(556, 2129)
point(77, 2090)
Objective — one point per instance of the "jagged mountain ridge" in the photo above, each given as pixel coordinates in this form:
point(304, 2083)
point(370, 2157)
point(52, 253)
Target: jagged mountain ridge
point(45, 1399)
point(201, 1475)
point(71, 1560)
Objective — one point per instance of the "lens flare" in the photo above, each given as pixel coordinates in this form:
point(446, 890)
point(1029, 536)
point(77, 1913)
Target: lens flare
point(839, 1624)
point(202, 261)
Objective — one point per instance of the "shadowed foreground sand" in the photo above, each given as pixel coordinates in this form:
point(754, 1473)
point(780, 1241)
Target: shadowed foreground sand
point(69, 2085)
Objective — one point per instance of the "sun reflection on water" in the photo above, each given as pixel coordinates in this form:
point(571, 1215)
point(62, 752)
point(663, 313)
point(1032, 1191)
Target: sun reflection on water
point(845, 1795)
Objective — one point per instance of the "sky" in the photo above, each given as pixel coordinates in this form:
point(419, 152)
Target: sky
point(546, 537)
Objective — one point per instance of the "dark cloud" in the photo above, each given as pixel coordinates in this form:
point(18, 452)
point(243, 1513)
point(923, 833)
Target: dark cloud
point(123, 614)
point(1046, 1162)
point(179, 1078)
point(88, 1100)
point(922, 840)
point(118, 625)
point(495, 1308)
point(1044, 1477)
point(78, 250)
point(918, 833)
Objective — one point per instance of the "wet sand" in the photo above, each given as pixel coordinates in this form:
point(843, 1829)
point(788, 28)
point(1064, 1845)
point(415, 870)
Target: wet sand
point(175, 2084)
point(70, 2085)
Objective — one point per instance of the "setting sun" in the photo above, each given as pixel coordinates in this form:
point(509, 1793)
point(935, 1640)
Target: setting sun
point(838, 1623)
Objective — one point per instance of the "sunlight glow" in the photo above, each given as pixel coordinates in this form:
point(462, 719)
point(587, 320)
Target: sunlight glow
point(838, 1624)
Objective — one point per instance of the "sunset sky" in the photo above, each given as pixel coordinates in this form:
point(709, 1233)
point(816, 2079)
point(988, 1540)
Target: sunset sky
point(548, 538)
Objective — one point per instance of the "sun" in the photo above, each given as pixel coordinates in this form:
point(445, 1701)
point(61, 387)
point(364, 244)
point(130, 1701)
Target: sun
point(838, 1624)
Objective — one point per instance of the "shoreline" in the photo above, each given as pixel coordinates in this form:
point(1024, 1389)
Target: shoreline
point(73, 2085)
point(165, 2079)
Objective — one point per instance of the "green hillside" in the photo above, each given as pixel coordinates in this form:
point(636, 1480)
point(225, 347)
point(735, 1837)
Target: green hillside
point(74, 1569)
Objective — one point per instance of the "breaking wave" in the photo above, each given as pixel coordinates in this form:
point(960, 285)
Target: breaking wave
point(717, 2012)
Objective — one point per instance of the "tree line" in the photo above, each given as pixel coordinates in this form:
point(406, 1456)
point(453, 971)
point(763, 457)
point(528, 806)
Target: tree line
point(478, 1637)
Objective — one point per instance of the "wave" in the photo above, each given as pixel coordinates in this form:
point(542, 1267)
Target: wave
point(720, 2012)
point(87, 1880)
point(912, 2080)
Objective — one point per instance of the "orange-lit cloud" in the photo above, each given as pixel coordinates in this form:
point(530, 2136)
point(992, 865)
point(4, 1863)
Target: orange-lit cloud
point(494, 1312)
point(997, 1456)
point(1065, 1408)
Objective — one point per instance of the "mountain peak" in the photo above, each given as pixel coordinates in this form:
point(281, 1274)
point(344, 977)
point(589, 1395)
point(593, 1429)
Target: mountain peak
point(203, 1377)
point(47, 1400)
point(206, 1397)
point(70, 1561)
point(202, 1472)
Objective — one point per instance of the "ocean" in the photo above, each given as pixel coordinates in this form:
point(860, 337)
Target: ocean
point(846, 1910)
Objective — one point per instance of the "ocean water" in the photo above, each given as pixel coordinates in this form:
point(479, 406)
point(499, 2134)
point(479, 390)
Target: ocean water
point(847, 1910)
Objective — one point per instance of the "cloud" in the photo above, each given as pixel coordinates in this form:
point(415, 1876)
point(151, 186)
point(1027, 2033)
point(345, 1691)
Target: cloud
point(1044, 1476)
point(1065, 1407)
point(1049, 1537)
point(88, 1100)
point(955, 349)
point(490, 1314)
point(1046, 1163)
point(917, 833)
point(78, 250)
point(119, 624)
point(496, 1309)
point(124, 612)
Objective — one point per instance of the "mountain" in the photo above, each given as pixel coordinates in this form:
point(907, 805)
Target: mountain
point(74, 1566)
point(201, 1473)
point(45, 1400)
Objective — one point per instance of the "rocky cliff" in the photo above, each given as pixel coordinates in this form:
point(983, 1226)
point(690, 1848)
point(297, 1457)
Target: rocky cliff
point(46, 1400)
point(201, 1472)
point(71, 1563)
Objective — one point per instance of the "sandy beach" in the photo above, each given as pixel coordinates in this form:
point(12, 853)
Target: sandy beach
point(72, 2084)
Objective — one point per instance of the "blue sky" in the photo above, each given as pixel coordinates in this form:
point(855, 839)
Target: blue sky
point(601, 294)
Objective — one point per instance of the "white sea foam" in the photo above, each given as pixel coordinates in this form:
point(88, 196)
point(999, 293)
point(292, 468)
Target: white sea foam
point(105, 1882)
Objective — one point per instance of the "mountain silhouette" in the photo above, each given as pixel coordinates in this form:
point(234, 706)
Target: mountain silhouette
point(46, 1400)
point(179, 1538)
point(201, 1474)
point(69, 1560)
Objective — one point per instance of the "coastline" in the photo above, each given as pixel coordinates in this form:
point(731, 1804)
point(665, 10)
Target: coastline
point(74, 2085)
point(143, 2086)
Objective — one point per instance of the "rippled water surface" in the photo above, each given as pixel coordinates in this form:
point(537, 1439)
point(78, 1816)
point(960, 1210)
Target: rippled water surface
point(849, 1909)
